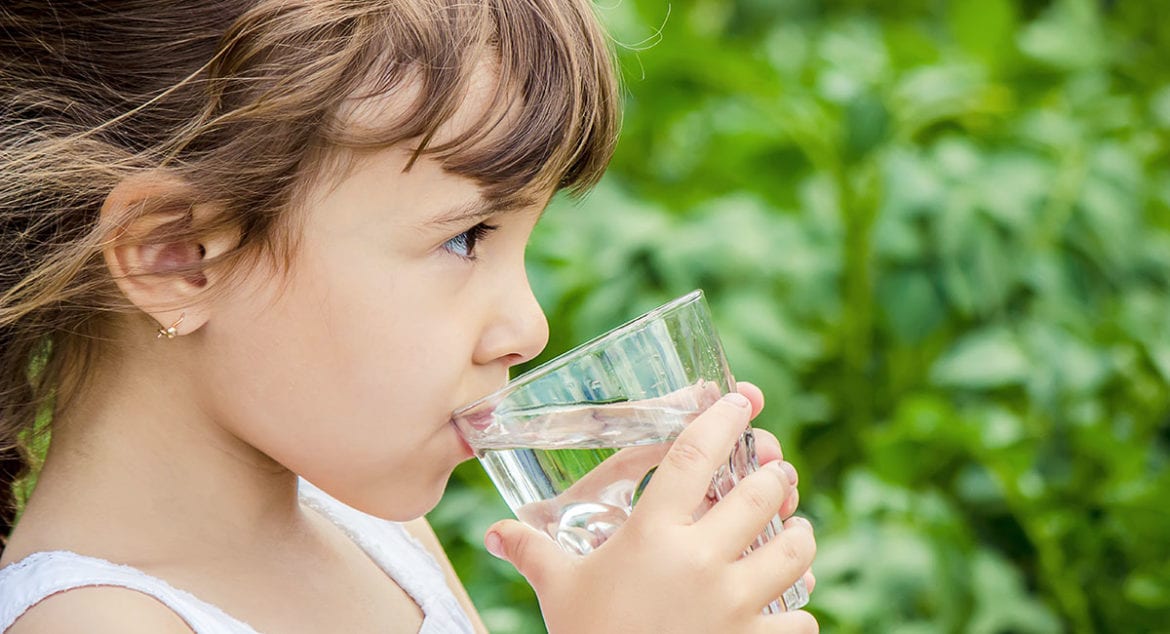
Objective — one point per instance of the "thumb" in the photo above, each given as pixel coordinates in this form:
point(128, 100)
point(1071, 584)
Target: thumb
point(531, 552)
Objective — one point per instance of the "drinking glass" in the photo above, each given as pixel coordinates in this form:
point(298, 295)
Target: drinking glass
point(572, 443)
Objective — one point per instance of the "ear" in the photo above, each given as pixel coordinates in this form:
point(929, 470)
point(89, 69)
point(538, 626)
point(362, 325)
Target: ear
point(152, 252)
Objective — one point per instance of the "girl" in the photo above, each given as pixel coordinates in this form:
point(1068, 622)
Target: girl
point(250, 245)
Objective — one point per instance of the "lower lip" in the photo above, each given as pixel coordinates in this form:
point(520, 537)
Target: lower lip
point(467, 450)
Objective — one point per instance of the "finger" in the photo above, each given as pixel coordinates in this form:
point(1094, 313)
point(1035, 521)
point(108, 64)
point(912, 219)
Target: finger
point(810, 580)
point(741, 515)
point(771, 569)
point(531, 552)
point(797, 622)
point(753, 394)
point(684, 476)
point(767, 446)
point(790, 504)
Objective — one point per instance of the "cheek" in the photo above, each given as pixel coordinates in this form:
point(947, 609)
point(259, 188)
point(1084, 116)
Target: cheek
point(346, 386)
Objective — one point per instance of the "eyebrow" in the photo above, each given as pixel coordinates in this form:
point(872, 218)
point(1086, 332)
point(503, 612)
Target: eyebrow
point(480, 208)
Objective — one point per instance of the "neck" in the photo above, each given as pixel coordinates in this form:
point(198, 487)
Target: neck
point(136, 457)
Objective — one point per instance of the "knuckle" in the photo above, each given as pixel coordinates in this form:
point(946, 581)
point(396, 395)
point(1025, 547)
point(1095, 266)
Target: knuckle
point(740, 597)
point(702, 559)
point(761, 496)
point(793, 548)
point(516, 549)
point(686, 455)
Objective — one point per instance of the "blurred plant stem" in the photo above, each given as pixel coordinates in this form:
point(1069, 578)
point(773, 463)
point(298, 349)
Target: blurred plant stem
point(859, 192)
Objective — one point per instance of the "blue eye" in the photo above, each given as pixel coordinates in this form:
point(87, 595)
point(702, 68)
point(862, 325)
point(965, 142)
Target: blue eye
point(463, 245)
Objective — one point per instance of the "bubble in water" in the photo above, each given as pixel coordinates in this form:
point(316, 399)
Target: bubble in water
point(586, 525)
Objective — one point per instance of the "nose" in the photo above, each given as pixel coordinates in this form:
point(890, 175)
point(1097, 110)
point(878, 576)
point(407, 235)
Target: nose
point(518, 330)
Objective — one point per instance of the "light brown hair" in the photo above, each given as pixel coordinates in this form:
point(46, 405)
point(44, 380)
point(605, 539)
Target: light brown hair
point(240, 98)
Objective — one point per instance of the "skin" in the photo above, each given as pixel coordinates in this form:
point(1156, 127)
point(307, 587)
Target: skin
point(691, 571)
point(181, 456)
point(292, 374)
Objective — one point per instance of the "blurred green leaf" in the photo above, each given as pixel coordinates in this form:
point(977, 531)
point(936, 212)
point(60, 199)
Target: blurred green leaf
point(984, 28)
point(1068, 36)
point(911, 303)
point(983, 359)
point(937, 235)
point(1001, 603)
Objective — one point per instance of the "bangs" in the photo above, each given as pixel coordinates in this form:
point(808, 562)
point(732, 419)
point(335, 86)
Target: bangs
point(517, 95)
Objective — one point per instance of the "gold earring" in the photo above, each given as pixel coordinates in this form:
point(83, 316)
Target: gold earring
point(172, 330)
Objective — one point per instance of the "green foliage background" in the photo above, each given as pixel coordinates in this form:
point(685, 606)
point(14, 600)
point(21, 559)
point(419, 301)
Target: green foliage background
point(937, 234)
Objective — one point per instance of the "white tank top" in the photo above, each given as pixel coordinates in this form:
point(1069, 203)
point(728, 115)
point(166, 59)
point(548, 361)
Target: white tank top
point(27, 582)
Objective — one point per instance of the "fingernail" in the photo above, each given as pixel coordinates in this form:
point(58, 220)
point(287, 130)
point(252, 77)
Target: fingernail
point(789, 471)
point(494, 544)
point(737, 399)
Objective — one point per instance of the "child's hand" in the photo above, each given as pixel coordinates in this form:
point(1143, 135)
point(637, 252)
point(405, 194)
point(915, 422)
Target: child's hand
point(666, 572)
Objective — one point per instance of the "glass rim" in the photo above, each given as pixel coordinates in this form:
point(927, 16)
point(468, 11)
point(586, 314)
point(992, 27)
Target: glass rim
point(564, 358)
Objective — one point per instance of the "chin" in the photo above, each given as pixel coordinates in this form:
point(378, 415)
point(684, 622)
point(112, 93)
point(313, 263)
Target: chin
point(404, 506)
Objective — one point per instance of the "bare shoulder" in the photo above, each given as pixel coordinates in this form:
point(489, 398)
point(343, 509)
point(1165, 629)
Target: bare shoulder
point(99, 610)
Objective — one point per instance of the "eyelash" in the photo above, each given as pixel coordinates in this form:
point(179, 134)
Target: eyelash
point(463, 245)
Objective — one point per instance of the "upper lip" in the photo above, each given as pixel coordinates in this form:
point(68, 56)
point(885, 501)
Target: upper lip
point(476, 420)
point(491, 388)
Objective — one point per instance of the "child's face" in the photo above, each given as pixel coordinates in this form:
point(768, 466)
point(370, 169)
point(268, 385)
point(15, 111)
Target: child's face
point(345, 369)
